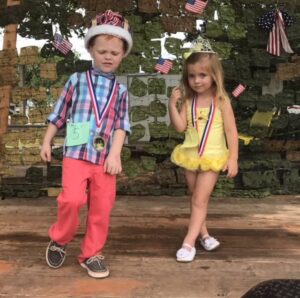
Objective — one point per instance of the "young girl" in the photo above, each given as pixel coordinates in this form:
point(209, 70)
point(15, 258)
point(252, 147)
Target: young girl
point(211, 138)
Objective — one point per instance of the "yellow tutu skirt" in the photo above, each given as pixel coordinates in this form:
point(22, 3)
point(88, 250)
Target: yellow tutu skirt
point(189, 159)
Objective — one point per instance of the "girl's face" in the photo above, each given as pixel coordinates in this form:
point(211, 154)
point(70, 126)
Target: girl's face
point(107, 52)
point(199, 77)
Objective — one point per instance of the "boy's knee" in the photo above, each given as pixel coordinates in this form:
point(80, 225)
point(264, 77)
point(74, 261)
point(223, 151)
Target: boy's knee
point(72, 201)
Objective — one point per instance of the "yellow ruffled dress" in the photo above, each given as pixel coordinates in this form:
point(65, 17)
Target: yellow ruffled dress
point(215, 153)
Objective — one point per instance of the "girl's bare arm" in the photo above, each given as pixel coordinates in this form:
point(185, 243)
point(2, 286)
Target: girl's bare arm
point(178, 119)
point(231, 134)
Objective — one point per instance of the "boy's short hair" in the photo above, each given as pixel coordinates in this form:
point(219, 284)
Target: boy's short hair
point(110, 23)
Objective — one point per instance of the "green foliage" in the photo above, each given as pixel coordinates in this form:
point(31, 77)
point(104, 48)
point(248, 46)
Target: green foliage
point(160, 147)
point(35, 18)
point(132, 168)
point(137, 132)
point(32, 76)
point(173, 45)
point(236, 31)
point(158, 130)
point(222, 48)
point(153, 29)
point(125, 154)
point(148, 163)
point(139, 113)
point(157, 86)
point(214, 29)
point(129, 65)
point(157, 108)
point(138, 87)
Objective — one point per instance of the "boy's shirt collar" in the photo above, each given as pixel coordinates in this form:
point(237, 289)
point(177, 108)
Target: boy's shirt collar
point(97, 72)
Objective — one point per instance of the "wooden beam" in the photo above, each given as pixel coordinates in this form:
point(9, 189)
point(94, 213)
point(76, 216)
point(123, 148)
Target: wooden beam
point(10, 37)
point(9, 43)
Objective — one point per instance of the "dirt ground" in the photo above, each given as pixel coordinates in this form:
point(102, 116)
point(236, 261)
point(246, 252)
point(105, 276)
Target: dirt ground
point(260, 240)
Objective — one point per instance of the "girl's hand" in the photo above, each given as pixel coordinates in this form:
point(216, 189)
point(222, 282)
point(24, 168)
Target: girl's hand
point(231, 167)
point(176, 95)
point(112, 164)
point(46, 152)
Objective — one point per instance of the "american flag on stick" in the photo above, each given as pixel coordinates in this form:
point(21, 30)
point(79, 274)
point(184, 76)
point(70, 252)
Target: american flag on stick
point(61, 44)
point(163, 65)
point(195, 6)
point(238, 90)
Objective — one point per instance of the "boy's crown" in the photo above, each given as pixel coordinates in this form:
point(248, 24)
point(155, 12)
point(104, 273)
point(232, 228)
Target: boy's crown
point(200, 45)
point(111, 23)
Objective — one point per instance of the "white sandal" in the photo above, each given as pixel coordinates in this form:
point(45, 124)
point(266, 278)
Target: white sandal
point(186, 253)
point(209, 243)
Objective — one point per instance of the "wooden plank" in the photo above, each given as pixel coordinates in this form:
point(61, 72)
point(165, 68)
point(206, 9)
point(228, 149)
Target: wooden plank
point(259, 241)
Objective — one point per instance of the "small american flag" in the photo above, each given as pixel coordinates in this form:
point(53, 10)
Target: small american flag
point(163, 65)
point(238, 90)
point(195, 6)
point(61, 44)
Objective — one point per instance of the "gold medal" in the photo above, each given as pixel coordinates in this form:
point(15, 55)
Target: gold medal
point(98, 143)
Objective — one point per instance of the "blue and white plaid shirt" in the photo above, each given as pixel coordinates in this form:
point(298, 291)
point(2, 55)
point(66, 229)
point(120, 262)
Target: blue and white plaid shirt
point(75, 103)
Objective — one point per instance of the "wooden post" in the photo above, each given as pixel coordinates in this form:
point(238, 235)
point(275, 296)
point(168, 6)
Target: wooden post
point(10, 31)
point(5, 93)
point(9, 43)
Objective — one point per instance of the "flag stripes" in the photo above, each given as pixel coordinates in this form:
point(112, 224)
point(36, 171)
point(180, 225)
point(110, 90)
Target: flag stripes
point(195, 6)
point(163, 65)
point(61, 44)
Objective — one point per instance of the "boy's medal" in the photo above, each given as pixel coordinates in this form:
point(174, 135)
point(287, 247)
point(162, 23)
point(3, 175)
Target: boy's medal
point(99, 142)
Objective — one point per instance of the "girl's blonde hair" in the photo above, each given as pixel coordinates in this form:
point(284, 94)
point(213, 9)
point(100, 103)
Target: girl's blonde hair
point(215, 69)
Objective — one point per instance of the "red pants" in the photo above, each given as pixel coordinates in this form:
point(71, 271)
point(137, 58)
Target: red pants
point(77, 174)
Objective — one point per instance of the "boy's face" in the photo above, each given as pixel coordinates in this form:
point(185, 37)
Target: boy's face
point(107, 52)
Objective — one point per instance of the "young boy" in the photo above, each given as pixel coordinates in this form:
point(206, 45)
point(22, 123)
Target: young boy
point(94, 106)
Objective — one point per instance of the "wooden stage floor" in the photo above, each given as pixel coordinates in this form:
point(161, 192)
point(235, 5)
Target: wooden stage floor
point(260, 240)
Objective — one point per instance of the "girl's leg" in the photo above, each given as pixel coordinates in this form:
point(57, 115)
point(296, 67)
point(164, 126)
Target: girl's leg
point(204, 186)
point(70, 200)
point(102, 192)
point(191, 177)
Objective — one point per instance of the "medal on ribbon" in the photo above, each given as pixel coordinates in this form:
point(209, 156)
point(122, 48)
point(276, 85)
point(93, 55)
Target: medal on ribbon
point(99, 141)
point(208, 124)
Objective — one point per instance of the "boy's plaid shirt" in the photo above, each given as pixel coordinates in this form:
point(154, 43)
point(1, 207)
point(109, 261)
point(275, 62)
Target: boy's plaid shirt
point(75, 103)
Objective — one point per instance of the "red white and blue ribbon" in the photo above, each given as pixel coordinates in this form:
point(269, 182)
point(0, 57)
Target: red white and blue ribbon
point(99, 115)
point(208, 124)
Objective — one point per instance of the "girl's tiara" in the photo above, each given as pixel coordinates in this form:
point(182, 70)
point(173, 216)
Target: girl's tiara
point(200, 45)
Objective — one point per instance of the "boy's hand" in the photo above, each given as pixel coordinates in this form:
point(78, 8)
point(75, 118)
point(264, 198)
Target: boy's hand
point(46, 152)
point(231, 168)
point(112, 164)
point(176, 95)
